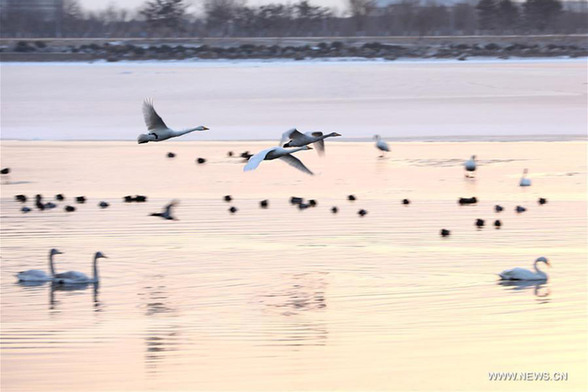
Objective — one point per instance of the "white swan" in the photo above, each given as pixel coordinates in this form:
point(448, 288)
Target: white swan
point(75, 277)
point(298, 139)
point(470, 164)
point(381, 145)
point(524, 274)
point(524, 180)
point(39, 275)
point(278, 152)
point(158, 131)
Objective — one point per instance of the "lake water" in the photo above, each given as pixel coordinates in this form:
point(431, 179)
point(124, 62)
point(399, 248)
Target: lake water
point(288, 299)
point(253, 100)
point(282, 298)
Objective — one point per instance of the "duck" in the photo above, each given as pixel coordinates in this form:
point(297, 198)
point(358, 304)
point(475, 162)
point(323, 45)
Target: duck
point(405, 202)
point(445, 233)
point(497, 223)
point(158, 131)
point(520, 209)
point(498, 208)
point(281, 153)
point(233, 209)
point(75, 277)
point(80, 199)
point(6, 170)
point(39, 275)
point(69, 208)
point(524, 180)
point(334, 209)
point(480, 222)
point(167, 213)
point(524, 274)
point(362, 212)
point(103, 204)
point(264, 203)
point(299, 139)
point(542, 201)
point(20, 198)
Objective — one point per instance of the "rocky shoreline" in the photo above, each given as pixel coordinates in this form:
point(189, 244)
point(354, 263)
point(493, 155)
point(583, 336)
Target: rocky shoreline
point(388, 48)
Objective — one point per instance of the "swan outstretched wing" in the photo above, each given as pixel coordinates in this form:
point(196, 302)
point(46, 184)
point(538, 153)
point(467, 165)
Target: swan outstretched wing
point(152, 119)
point(293, 161)
point(290, 134)
point(319, 144)
point(256, 159)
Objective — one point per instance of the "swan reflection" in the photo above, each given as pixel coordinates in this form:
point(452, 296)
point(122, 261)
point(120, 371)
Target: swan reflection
point(54, 287)
point(540, 288)
point(300, 303)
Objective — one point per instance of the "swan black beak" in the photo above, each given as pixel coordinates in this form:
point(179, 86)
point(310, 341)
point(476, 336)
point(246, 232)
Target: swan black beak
point(205, 128)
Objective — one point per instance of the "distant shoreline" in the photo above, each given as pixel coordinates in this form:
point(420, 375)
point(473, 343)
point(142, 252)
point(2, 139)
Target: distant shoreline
point(399, 139)
point(294, 48)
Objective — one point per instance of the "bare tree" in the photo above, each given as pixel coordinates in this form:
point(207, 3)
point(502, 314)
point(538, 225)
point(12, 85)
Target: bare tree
point(360, 10)
point(164, 15)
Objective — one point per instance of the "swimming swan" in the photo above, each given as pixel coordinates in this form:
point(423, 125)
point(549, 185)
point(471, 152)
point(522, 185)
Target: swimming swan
point(299, 139)
point(38, 275)
point(75, 277)
point(158, 131)
point(524, 180)
point(524, 274)
point(278, 152)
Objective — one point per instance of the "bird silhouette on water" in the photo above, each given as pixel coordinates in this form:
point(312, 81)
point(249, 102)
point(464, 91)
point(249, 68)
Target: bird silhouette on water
point(167, 211)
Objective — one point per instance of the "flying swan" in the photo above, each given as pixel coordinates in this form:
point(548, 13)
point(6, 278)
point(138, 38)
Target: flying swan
point(278, 152)
point(158, 131)
point(299, 139)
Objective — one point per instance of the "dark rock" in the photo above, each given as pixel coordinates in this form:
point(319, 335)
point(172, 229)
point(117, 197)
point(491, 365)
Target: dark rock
point(542, 201)
point(69, 208)
point(520, 209)
point(405, 202)
point(296, 200)
point(334, 210)
point(171, 155)
point(480, 222)
point(228, 198)
point(59, 197)
point(200, 161)
point(497, 224)
point(233, 209)
point(80, 199)
point(362, 212)
point(264, 203)
point(21, 198)
point(445, 233)
point(351, 198)
point(6, 170)
point(103, 204)
point(498, 208)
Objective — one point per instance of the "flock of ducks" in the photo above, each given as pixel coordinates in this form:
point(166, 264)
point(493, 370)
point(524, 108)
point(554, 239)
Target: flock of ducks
point(292, 141)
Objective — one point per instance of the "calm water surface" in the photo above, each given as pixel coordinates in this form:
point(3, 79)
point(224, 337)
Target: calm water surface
point(282, 299)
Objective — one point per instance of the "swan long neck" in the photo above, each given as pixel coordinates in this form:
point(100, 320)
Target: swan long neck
point(184, 131)
point(95, 264)
point(51, 266)
point(537, 270)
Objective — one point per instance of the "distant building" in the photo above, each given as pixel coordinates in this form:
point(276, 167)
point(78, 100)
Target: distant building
point(46, 10)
